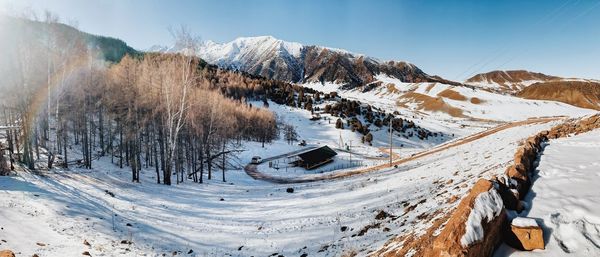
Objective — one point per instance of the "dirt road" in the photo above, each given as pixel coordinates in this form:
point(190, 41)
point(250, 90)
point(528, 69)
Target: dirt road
point(252, 170)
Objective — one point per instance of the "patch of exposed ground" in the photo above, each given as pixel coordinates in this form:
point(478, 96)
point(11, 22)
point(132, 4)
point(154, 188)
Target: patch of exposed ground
point(476, 100)
point(451, 94)
point(391, 88)
point(428, 103)
point(429, 87)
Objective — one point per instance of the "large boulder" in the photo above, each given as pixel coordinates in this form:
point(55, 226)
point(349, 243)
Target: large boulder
point(525, 234)
point(475, 227)
point(7, 253)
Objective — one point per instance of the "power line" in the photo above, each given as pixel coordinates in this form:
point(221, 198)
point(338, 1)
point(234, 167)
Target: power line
point(548, 18)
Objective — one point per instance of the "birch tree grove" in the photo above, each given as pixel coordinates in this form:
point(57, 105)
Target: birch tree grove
point(172, 114)
point(181, 117)
point(180, 75)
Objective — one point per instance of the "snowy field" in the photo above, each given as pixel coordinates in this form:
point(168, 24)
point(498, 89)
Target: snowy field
point(52, 213)
point(565, 199)
point(242, 217)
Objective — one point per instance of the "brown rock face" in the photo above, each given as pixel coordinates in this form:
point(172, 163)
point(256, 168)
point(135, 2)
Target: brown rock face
point(322, 64)
point(526, 238)
point(7, 253)
point(448, 243)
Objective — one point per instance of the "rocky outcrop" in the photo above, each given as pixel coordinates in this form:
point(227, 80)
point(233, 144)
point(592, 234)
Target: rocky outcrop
point(574, 128)
point(474, 227)
point(524, 159)
point(454, 240)
point(7, 253)
point(519, 172)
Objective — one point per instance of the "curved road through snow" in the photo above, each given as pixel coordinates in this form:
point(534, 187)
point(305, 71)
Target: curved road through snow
point(252, 171)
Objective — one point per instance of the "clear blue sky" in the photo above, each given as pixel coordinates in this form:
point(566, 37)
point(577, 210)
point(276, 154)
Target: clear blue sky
point(450, 38)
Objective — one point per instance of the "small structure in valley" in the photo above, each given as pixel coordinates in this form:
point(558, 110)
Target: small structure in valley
point(314, 158)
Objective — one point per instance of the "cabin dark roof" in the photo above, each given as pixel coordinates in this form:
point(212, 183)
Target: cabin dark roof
point(317, 155)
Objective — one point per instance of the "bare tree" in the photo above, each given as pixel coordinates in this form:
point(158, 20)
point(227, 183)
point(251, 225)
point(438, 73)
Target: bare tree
point(180, 78)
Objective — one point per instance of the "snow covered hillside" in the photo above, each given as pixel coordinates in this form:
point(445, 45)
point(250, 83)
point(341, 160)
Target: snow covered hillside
point(396, 85)
point(564, 198)
point(241, 217)
point(446, 104)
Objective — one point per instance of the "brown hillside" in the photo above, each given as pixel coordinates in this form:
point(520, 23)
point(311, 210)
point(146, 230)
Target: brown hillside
point(583, 94)
point(510, 77)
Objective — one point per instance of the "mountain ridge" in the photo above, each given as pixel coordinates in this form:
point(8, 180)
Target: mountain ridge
point(274, 58)
point(112, 49)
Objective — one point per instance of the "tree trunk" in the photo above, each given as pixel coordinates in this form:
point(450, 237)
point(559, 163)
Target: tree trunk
point(101, 130)
point(208, 162)
point(120, 144)
point(224, 142)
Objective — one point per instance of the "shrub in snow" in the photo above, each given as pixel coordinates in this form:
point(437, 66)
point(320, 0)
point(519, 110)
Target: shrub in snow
point(339, 124)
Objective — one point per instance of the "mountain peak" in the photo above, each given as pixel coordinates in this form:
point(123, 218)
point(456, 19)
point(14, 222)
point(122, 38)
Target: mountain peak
point(274, 58)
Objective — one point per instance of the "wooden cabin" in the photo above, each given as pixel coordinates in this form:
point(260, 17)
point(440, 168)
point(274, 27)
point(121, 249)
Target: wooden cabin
point(314, 158)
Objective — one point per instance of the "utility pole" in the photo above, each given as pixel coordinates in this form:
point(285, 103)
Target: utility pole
point(391, 123)
point(350, 151)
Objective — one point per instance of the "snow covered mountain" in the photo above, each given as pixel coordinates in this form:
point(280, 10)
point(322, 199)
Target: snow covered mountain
point(265, 56)
point(293, 62)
